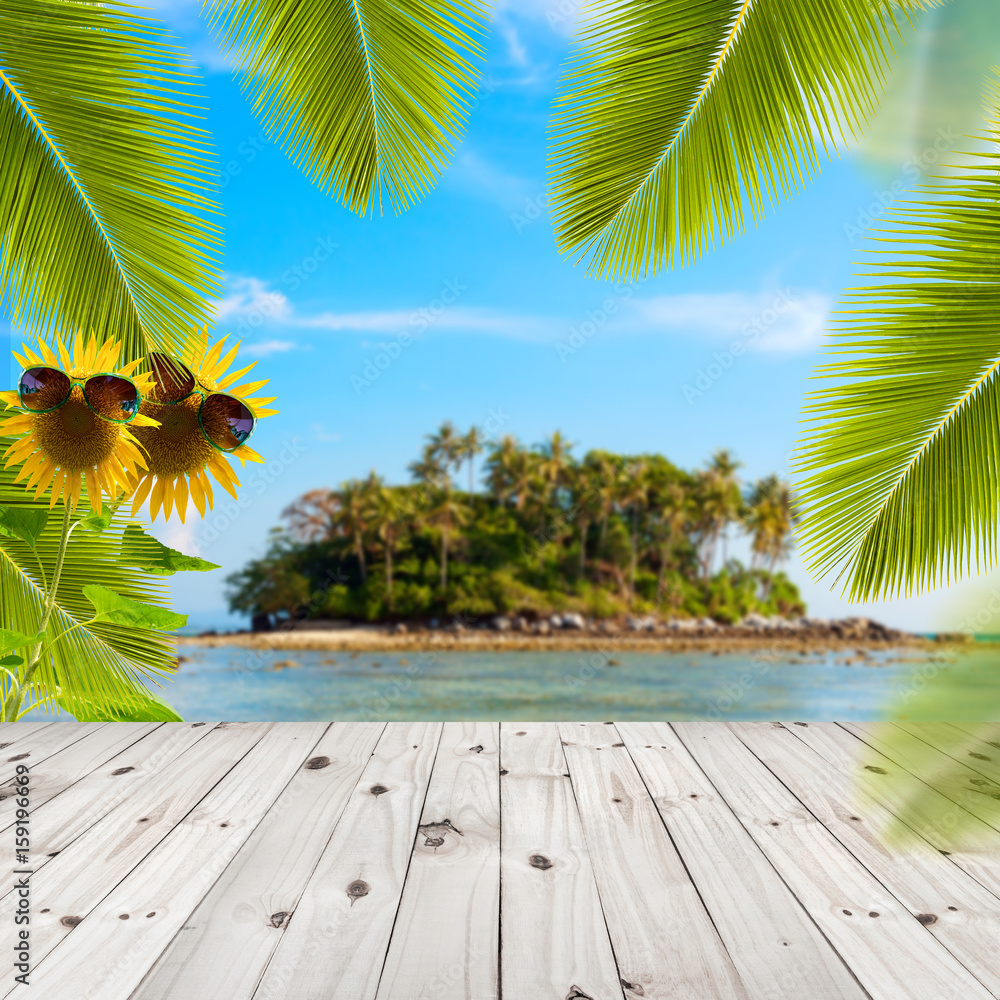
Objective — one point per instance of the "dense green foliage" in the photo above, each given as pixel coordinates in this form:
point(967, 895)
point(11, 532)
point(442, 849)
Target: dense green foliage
point(603, 536)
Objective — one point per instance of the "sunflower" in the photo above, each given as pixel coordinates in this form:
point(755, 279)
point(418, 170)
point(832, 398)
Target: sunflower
point(178, 453)
point(70, 445)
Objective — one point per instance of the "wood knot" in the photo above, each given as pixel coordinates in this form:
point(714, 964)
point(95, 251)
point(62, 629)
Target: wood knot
point(123, 770)
point(280, 919)
point(317, 763)
point(433, 841)
point(540, 862)
point(19, 756)
point(633, 988)
point(195, 725)
point(377, 790)
point(477, 749)
point(876, 770)
point(521, 732)
point(927, 918)
point(123, 916)
point(70, 921)
point(618, 744)
point(434, 833)
point(979, 756)
point(989, 742)
point(503, 771)
point(805, 725)
point(358, 889)
point(575, 993)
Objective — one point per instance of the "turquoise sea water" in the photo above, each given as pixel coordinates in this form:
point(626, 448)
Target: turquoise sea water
point(235, 683)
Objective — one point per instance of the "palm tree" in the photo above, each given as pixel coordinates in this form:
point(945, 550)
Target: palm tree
point(500, 465)
point(446, 514)
point(770, 517)
point(671, 515)
point(311, 517)
point(585, 504)
point(380, 92)
point(429, 468)
point(389, 521)
point(633, 494)
point(470, 446)
point(730, 501)
point(354, 515)
point(640, 183)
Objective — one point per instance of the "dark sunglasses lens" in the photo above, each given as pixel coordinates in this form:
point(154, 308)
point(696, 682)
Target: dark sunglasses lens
point(227, 422)
point(112, 397)
point(174, 381)
point(43, 388)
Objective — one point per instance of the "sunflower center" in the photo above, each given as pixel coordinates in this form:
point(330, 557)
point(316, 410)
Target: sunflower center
point(177, 447)
point(72, 437)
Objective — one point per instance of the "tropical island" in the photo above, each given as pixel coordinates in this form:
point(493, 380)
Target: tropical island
point(600, 552)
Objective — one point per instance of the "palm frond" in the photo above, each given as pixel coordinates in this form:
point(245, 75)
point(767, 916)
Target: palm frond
point(677, 116)
point(367, 96)
point(902, 452)
point(103, 177)
point(100, 666)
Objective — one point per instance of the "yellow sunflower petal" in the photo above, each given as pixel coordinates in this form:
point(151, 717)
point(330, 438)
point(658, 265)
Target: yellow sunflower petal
point(197, 494)
point(224, 477)
point(233, 377)
point(48, 354)
point(48, 474)
point(246, 454)
point(209, 361)
point(58, 486)
point(223, 364)
point(64, 357)
point(130, 367)
point(20, 423)
point(156, 499)
point(181, 497)
point(206, 487)
point(93, 489)
point(141, 420)
point(141, 492)
point(74, 485)
point(11, 398)
point(248, 389)
point(168, 498)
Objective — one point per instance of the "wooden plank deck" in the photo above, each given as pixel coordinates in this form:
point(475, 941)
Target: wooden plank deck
point(486, 861)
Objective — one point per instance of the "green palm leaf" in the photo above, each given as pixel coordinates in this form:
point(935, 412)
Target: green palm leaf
point(367, 96)
point(903, 448)
point(100, 667)
point(677, 116)
point(102, 177)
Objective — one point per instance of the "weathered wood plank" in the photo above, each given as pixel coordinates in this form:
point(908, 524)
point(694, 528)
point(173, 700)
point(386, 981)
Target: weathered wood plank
point(335, 946)
point(825, 776)
point(960, 745)
point(445, 941)
point(129, 928)
point(893, 956)
point(663, 937)
point(43, 743)
point(12, 732)
point(61, 820)
point(68, 884)
point(554, 939)
point(930, 816)
point(65, 768)
point(776, 948)
point(224, 946)
point(924, 761)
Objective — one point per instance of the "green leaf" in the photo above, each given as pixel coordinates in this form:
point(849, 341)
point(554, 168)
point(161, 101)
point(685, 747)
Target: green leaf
point(678, 117)
point(11, 661)
point(26, 523)
point(95, 521)
point(142, 706)
point(105, 226)
point(901, 457)
point(145, 552)
point(102, 661)
point(368, 97)
point(112, 607)
point(9, 641)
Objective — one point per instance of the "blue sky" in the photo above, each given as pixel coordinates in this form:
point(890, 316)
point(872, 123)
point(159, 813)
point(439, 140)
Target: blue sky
point(463, 309)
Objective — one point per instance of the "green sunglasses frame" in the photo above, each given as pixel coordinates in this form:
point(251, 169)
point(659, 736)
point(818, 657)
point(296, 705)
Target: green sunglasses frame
point(202, 391)
point(82, 383)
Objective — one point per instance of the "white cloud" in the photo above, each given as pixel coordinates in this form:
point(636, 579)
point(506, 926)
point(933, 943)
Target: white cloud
point(780, 321)
point(249, 298)
point(266, 347)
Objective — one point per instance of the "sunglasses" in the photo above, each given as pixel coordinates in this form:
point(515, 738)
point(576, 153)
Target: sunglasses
point(111, 397)
point(226, 421)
